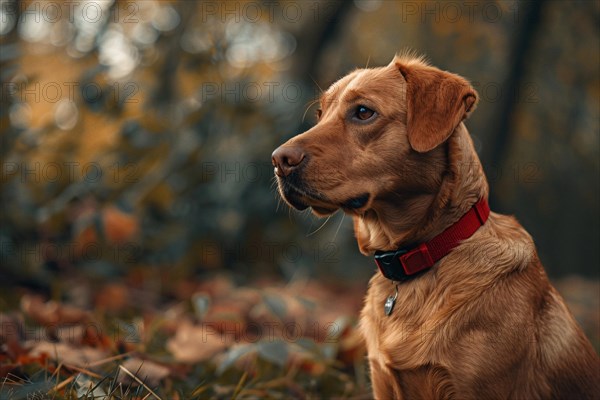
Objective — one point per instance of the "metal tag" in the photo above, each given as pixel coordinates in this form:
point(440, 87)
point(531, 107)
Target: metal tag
point(391, 301)
point(389, 304)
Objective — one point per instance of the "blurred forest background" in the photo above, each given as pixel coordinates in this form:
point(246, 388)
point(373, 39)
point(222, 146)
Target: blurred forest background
point(136, 140)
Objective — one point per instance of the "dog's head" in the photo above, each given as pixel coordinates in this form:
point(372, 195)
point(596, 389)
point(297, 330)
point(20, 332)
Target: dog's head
point(379, 135)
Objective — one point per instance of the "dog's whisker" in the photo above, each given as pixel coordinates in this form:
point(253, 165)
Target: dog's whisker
point(308, 108)
point(321, 227)
point(313, 79)
point(338, 228)
point(308, 214)
point(311, 223)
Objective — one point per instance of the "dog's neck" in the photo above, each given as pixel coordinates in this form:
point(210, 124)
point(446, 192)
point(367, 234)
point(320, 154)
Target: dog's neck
point(406, 220)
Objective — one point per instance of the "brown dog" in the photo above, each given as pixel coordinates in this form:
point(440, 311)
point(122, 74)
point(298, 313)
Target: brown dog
point(474, 317)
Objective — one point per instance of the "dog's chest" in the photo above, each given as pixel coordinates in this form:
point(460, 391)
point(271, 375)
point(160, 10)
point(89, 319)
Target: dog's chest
point(402, 328)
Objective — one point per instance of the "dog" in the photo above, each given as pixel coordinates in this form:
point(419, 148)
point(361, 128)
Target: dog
point(461, 307)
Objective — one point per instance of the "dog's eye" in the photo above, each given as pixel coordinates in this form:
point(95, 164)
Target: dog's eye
point(363, 113)
point(319, 113)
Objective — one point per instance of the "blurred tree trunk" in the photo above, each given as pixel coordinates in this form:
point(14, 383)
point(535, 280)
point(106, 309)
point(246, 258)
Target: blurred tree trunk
point(529, 14)
point(327, 19)
point(9, 54)
point(312, 44)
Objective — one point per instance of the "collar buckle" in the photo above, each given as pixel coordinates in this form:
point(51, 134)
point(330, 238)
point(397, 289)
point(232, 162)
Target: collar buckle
point(401, 264)
point(416, 260)
point(389, 264)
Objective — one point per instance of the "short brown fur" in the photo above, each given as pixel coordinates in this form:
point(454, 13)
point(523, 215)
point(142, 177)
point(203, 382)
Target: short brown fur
point(484, 322)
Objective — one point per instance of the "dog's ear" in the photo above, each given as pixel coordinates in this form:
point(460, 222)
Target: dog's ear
point(437, 102)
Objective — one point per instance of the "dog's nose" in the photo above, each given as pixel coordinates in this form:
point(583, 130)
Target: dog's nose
point(285, 159)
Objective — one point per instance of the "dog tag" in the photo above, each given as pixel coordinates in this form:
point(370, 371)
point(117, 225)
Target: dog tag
point(390, 302)
point(389, 305)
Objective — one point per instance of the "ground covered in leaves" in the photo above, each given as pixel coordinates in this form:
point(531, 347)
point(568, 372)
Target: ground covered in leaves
point(209, 339)
point(203, 340)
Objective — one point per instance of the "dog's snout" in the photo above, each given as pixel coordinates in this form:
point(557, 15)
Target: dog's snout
point(286, 159)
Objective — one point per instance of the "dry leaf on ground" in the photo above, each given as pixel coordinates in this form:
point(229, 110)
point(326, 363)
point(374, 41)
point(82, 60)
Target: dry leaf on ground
point(78, 356)
point(51, 313)
point(195, 343)
point(146, 371)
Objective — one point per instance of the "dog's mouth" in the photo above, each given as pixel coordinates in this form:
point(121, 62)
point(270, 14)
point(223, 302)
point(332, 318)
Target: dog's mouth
point(300, 197)
point(356, 203)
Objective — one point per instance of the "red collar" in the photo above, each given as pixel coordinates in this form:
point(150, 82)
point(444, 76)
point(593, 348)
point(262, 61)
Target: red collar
point(401, 264)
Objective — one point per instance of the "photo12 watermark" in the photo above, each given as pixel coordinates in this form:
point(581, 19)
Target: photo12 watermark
point(458, 11)
point(88, 11)
point(53, 92)
point(36, 172)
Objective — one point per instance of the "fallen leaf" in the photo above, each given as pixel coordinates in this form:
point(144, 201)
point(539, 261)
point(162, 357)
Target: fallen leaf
point(194, 343)
point(112, 298)
point(11, 335)
point(226, 318)
point(234, 354)
point(87, 388)
point(275, 352)
point(79, 356)
point(217, 287)
point(84, 239)
point(51, 313)
point(146, 371)
point(307, 362)
point(119, 227)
